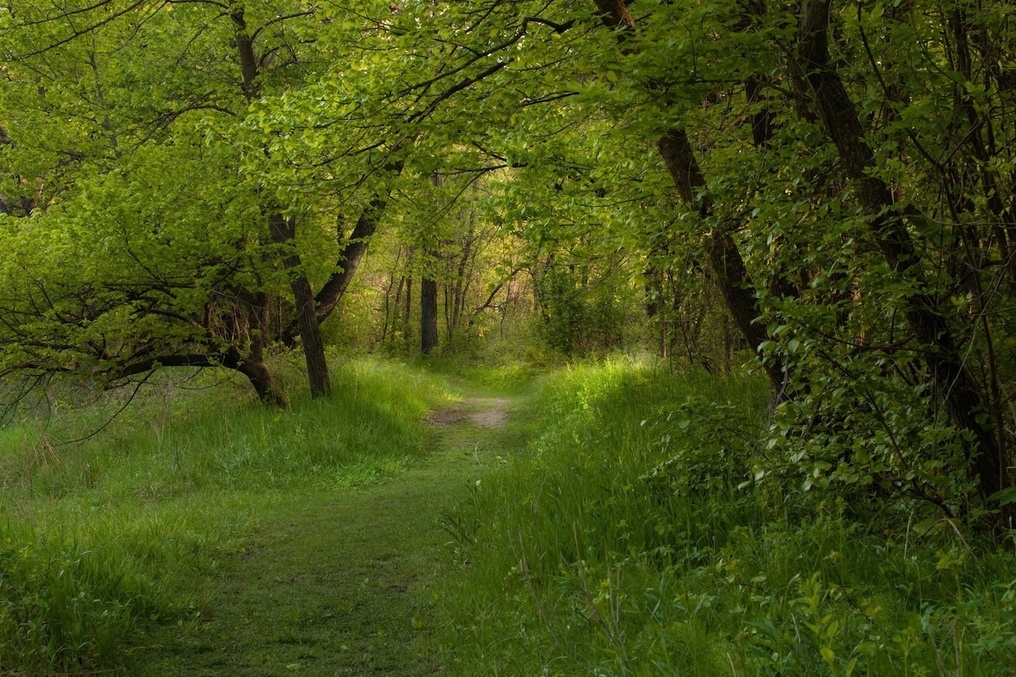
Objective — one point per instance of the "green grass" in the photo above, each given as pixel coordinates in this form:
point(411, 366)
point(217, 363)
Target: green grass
point(629, 539)
point(495, 375)
point(337, 583)
point(613, 527)
point(108, 540)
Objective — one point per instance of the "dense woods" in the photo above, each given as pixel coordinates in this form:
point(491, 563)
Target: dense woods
point(196, 184)
point(820, 193)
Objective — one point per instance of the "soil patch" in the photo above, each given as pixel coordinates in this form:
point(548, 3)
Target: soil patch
point(486, 412)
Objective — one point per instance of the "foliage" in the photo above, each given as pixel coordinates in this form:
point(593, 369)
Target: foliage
point(857, 229)
point(107, 540)
point(630, 538)
point(64, 608)
point(826, 186)
point(583, 316)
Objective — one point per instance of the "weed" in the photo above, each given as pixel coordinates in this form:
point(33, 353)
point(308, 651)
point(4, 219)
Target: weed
point(112, 538)
point(632, 538)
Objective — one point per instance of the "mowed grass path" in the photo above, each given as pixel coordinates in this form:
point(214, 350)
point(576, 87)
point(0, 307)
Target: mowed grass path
point(341, 583)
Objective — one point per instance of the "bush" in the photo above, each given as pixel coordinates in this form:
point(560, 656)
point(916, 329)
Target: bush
point(632, 538)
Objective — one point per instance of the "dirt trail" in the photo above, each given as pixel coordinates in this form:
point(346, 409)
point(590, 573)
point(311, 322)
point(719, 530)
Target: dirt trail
point(342, 583)
point(486, 412)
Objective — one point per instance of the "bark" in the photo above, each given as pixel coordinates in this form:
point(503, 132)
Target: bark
point(264, 383)
point(448, 302)
point(761, 120)
point(725, 259)
point(245, 50)
point(349, 259)
point(960, 393)
point(397, 310)
point(283, 233)
point(389, 320)
point(408, 308)
point(256, 372)
point(729, 272)
point(457, 293)
point(979, 137)
point(615, 13)
point(331, 293)
point(428, 315)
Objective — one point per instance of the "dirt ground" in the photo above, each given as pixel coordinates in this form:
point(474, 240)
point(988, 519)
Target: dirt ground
point(486, 412)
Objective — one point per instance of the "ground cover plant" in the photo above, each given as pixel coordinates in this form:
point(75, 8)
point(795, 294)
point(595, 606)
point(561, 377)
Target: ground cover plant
point(805, 211)
point(631, 537)
point(106, 540)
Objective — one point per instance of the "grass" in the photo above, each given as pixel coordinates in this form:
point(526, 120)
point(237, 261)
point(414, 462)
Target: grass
point(630, 539)
point(108, 542)
point(613, 527)
point(494, 374)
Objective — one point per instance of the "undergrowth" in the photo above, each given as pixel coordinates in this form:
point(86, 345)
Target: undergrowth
point(632, 538)
point(105, 537)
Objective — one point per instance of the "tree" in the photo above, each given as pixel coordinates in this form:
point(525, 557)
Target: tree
point(768, 128)
point(94, 59)
point(842, 176)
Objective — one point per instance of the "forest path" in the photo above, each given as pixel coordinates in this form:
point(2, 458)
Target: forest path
point(343, 583)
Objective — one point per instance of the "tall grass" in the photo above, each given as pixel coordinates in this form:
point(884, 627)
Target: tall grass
point(105, 537)
point(630, 539)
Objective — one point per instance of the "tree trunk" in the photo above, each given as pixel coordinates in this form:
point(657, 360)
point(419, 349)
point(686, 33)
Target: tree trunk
point(725, 262)
point(283, 233)
point(349, 259)
point(254, 369)
point(407, 316)
point(264, 383)
point(332, 291)
point(455, 298)
point(428, 315)
point(960, 394)
point(725, 259)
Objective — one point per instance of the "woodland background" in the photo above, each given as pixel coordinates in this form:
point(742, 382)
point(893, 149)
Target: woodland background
point(822, 194)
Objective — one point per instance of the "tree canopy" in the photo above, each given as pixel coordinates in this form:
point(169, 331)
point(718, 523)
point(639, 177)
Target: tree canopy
point(827, 186)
